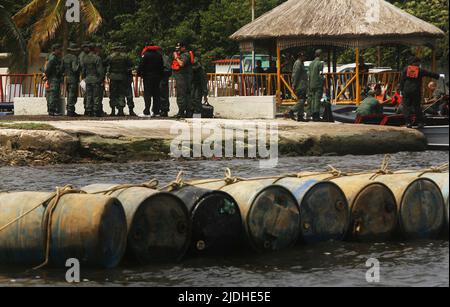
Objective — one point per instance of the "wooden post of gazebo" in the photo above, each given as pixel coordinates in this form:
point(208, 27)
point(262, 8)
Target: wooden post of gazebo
point(278, 74)
point(358, 84)
point(434, 63)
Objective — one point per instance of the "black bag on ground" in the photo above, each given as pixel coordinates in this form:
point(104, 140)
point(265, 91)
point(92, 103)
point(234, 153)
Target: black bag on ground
point(207, 110)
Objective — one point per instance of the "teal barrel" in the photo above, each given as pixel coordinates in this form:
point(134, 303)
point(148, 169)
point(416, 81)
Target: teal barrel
point(158, 223)
point(420, 204)
point(216, 221)
point(441, 179)
point(270, 213)
point(90, 228)
point(373, 208)
point(324, 210)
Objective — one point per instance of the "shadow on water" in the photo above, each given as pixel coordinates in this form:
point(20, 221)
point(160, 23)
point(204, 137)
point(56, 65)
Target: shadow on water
point(421, 263)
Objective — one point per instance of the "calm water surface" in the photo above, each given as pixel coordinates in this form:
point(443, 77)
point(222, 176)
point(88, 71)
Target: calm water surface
point(421, 263)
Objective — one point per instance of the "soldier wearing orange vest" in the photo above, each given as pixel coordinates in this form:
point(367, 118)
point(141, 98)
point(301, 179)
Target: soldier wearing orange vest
point(411, 88)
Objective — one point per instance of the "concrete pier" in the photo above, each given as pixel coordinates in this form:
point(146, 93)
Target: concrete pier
point(61, 140)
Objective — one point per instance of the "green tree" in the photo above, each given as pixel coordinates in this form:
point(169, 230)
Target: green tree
point(11, 39)
point(51, 21)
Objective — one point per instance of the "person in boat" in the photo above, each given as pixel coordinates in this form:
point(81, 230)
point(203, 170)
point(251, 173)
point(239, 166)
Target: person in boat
point(381, 94)
point(438, 99)
point(411, 88)
point(370, 106)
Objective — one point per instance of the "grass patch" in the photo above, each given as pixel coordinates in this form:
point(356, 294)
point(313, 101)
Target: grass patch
point(27, 126)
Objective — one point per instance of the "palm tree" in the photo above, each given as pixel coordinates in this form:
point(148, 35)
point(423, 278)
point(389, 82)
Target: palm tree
point(51, 21)
point(11, 39)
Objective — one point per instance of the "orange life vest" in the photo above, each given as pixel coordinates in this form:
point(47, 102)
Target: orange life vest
point(412, 72)
point(176, 65)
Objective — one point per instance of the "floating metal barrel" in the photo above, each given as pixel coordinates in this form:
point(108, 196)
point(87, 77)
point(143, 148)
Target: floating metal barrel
point(270, 213)
point(324, 210)
point(373, 208)
point(216, 220)
point(158, 223)
point(441, 179)
point(90, 228)
point(420, 204)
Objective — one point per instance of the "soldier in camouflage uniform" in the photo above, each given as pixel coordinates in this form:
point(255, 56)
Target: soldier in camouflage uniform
point(199, 86)
point(54, 75)
point(71, 67)
point(92, 73)
point(118, 72)
point(85, 51)
point(300, 85)
point(130, 95)
point(316, 82)
point(182, 72)
point(101, 54)
point(164, 87)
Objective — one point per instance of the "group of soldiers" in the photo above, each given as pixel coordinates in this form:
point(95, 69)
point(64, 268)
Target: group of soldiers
point(309, 88)
point(91, 68)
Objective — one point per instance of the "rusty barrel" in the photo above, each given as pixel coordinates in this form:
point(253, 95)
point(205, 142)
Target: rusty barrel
point(373, 208)
point(270, 213)
point(420, 205)
point(441, 179)
point(324, 211)
point(215, 218)
point(158, 223)
point(90, 228)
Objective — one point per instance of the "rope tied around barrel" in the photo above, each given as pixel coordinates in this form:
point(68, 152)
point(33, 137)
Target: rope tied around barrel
point(384, 168)
point(435, 169)
point(50, 203)
point(177, 184)
point(152, 184)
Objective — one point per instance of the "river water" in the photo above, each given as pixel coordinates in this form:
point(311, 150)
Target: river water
point(420, 263)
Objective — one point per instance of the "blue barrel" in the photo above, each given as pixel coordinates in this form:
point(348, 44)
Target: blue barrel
point(89, 228)
point(158, 223)
point(324, 210)
point(420, 205)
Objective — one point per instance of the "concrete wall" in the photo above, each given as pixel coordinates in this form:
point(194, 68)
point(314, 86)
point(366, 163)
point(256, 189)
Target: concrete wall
point(225, 107)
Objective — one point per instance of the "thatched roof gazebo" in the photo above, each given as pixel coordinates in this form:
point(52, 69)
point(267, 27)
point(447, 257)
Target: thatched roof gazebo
point(336, 23)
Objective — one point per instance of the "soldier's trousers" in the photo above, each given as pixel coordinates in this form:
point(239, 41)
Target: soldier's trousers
point(165, 93)
point(315, 95)
point(151, 90)
point(117, 93)
point(99, 98)
point(93, 91)
point(197, 98)
point(299, 108)
point(184, 99)
point(412, 106)
point(54, 96)
point(130, 96)
point(72, 95)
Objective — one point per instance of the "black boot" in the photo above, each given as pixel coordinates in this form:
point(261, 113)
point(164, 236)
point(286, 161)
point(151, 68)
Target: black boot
point(113, 111)
point(291, 115)
point(120, 112)
point(132, 112)
point(316, 117)
point(164, 114)
point(147, 110)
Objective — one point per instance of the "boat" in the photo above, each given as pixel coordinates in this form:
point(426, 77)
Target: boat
point(436, 128)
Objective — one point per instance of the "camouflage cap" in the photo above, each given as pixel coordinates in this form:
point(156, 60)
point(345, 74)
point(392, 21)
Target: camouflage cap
point(73, 47)
point(56, 47)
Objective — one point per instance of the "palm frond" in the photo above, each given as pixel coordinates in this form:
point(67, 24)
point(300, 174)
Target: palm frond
point(13, 40)
point(45, 28)
point(22, 17)
point(92, 17)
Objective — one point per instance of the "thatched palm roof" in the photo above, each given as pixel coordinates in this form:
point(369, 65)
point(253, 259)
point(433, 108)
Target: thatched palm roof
point(347, 23)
